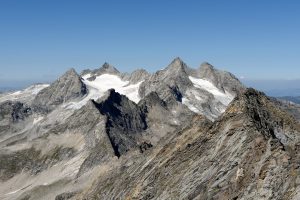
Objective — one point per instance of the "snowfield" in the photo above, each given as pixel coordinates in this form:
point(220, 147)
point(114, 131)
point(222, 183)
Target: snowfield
point(224, 98)
point(104, 82)
point(194, 97)
point(26, 94)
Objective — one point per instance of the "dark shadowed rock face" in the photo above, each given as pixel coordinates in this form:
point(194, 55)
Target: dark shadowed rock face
point(15, 111)
point(68, 86)
point(12, 112)
point(125, 120)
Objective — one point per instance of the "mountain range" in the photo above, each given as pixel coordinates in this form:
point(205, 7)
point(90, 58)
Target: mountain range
point(178, 133)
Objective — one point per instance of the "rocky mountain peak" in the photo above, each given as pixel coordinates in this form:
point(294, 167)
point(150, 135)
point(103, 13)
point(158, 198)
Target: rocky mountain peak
point(177, 60)
point(68, 86)
point(107, 69)
point(206, 66)
point(137, 76)
point(177, 65)
point(70, 72)
point(169, 83)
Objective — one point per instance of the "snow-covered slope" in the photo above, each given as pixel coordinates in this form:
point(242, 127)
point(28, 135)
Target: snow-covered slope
point(224, 98)
point(25, 95)
point(104, 82)
point(205, 98)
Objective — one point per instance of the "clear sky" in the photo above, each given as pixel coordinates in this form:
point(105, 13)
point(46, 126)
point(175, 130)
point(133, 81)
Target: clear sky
point(254, 39)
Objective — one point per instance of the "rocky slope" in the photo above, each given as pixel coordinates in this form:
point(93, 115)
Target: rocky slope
point(180, 133)
point(250, 152)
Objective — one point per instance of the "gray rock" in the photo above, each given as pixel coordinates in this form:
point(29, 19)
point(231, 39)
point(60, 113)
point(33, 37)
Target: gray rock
point(65, 196)
point(221, 79)
point(15, 111)
point(125, 121)
point(69, 86)
point(13, 115)
point(136, 76)
point(104, 69)
point(170, 83)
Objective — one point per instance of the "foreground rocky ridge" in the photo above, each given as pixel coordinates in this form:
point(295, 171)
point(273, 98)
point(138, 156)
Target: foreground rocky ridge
point(250, 152)
point(167, 135)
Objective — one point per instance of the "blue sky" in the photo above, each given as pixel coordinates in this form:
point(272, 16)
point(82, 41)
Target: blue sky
point(254, 39)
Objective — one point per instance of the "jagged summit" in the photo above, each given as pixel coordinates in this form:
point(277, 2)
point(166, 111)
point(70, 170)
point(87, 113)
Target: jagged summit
point(177, 61)
point(70, 72)
point(169, 83)
point(177, 65)
point(137, 76)
point(261, 108)
point(206, 65)
point(107, 68)
point(68, 86)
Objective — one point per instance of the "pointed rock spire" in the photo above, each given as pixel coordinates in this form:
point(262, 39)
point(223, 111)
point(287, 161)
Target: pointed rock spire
point(107, 69)
point(177, 65)
point(68, 86)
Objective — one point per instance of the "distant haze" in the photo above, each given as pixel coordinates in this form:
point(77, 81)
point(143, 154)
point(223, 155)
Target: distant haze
point(276, 88)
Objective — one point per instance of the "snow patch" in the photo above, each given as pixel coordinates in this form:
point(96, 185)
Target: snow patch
point(197, 96)
point(25, 94)
point(36, 120)
point(224, 98)
point(187, 102)
point(101, 84)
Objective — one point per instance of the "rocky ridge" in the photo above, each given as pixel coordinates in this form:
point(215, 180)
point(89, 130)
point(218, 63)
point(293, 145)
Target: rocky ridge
point(188, 134)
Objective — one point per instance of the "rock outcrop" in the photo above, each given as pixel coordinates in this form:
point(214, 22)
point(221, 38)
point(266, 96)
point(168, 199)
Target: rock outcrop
point(125, 120)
